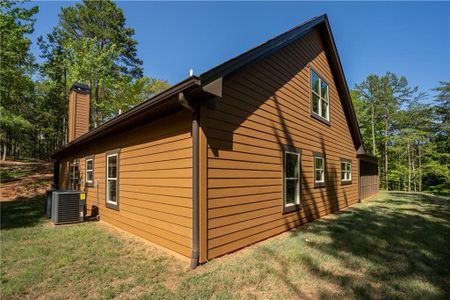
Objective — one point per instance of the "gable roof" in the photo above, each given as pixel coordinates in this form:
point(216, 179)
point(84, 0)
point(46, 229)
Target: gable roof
point(200, 87)
point(265, 49)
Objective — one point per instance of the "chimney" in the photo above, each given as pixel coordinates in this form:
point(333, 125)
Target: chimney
point(79, 99)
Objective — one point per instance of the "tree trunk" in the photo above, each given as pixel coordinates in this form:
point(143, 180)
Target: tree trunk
point(4, 151)
point(386, 163)
point(35, 146)
point(409, 166)
point(420, 169)
point(400, 180)
point(372, 123)
point(413, 170)
point(12, 152)
point(97, 102)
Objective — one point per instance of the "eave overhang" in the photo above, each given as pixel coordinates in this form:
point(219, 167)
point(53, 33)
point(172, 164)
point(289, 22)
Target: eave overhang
point(209, 84)
point(160, 105)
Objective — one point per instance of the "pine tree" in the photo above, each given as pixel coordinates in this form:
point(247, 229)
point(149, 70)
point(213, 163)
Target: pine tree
point(92, 44)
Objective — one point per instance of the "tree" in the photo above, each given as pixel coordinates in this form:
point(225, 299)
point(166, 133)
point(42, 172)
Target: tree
point(382, 97)
point(438, 171)
point(442, 106)
point(16, 69)
point(394, 91)
point(104, 22)
point(413, 135)
point(91, 44)
point(367, 92)
point(364, 118)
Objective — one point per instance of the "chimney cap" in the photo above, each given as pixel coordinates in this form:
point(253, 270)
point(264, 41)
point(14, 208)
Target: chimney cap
point(80, 88)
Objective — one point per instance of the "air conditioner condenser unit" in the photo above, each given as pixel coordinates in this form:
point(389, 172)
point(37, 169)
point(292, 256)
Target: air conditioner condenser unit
point(68, 207)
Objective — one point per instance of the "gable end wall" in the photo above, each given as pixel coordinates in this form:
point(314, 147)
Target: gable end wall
point(266, 106)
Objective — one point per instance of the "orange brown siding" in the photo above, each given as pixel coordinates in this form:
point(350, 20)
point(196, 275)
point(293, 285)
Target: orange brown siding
point(155, 181)
point(78, 115)
point(369, 183)
point(265, 106)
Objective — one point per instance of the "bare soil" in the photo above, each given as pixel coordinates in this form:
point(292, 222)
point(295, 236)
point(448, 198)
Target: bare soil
point(33, 179)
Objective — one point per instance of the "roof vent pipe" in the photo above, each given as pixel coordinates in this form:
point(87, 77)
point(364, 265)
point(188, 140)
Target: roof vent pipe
point(191, 72)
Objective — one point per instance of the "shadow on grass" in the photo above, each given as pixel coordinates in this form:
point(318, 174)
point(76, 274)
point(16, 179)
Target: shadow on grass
point(397, 247)
point(22, 212)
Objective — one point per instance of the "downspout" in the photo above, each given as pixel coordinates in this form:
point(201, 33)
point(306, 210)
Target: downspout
point(195, 179)
point(195, 188)
point(359, 179)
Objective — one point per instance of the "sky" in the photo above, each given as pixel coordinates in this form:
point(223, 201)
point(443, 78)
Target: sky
point(408, 38)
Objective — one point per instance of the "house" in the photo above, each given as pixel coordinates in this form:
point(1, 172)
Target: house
point(254, 147)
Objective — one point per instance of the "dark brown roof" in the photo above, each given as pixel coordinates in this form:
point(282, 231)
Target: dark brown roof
point(233, 65)
point(81, 88)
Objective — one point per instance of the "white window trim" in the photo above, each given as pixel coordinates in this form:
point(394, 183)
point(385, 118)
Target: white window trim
point(297, 196)
point(111, 178)
point(348, 173)
point(321, 169)
point(89, 170)
point(319, 113)
point(74, 170)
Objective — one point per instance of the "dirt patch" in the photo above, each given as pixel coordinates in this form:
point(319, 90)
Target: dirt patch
point(24, 180)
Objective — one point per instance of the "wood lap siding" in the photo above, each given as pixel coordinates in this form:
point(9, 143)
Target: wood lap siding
point(265, 106)
point(155, 181)
point(369, 179)
point(78, 115)
point(82, 115)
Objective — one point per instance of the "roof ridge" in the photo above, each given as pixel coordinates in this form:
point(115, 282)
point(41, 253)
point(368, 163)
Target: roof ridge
point(278, 41)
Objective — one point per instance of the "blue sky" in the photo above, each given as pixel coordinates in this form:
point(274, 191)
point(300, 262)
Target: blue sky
point(407, 38)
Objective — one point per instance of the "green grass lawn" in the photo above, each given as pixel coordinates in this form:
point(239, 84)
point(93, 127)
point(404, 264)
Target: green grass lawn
point(395, 246)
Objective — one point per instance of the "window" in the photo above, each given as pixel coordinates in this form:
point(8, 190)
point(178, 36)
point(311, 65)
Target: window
point(291, 180)
point(346, 170)
point(74, 175)
point(319, 170)
point(112, 182)
point(90, 170)
point(319, 97)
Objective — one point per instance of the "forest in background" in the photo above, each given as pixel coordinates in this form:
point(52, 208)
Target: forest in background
point(407, 129)
point(91, 44)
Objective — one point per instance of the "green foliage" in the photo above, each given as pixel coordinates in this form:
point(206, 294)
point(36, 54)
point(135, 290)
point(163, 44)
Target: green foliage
point(10, 175)
point(17, 63)
point(16, 67)
point(103, 22)
point(90, 44)
point(410, 137)
point(442, 106)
